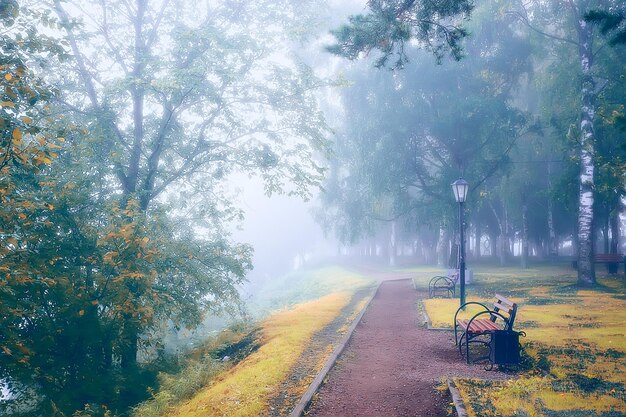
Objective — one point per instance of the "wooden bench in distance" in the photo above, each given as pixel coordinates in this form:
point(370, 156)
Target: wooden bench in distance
point(483, 323)
point(612, 261)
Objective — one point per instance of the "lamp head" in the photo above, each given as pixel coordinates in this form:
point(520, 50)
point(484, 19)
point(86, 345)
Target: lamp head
point(460, 188)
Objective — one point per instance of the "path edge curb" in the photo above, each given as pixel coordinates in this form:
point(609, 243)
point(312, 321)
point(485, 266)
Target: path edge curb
point(303, 403)
point(457, 400)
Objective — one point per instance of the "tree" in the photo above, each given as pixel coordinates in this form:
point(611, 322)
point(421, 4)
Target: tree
point(409, 134)
point(126, 229)
point(611, 24)
point(571, 28)
point(391, 25)
point(179, 107)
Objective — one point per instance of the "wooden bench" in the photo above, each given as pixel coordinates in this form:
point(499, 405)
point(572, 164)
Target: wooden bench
point(443, 284)
point(612, 261)
point(479, 328)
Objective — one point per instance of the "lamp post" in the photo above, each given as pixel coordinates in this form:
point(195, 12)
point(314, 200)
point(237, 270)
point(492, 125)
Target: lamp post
point(460, 188)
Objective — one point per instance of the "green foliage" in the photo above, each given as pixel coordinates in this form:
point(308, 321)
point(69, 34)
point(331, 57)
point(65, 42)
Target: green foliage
point(99, 248)
point(611, 24)
point(391, 25)
point(409, 134)
point(198, 370)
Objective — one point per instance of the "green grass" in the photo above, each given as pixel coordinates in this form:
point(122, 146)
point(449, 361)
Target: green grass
point(575, 344)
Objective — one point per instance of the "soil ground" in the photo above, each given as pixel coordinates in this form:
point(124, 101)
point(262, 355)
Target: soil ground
point(392, 363)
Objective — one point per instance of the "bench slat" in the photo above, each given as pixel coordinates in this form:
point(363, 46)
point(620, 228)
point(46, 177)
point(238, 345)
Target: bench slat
point(504, 300)
point(503, 308)
point(478, 326)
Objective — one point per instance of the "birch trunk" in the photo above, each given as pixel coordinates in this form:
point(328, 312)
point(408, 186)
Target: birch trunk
point(392, 245)
point(442, 246)
point(586, 267)
point(553, 250)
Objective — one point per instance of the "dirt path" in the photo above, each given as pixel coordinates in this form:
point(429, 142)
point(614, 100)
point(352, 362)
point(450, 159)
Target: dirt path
point(392, 363)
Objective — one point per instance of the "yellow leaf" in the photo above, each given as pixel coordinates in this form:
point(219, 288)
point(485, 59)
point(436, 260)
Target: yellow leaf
point(17, 135)
point(7, 104)
point(61, 139)
point(21, 215)
point(12, 240)
point(26, 119)
point(108, 257)
point(8, 77)
point(50, 207)
point(81, 313)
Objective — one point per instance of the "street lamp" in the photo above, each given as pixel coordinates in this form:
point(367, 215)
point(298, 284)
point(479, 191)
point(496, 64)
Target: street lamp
point(460, 188)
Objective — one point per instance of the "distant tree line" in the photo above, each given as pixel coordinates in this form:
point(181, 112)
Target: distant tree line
point(529, 113)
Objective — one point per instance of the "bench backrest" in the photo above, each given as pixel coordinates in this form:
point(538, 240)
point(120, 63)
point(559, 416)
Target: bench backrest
point(609, 257)
point(507, 308)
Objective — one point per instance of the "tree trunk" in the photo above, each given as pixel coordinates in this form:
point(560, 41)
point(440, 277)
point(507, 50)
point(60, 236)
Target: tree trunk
point(392, 245)
point(586, 267)
point(605, 234)
point(442, 246)
point(524, 254)
point(553, 249)
point(130, 340)
point(614, 220)
point(477, 250)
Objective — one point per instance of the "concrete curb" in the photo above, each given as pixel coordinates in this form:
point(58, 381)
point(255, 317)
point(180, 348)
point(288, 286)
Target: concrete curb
point(301, 406)
point(457, 400)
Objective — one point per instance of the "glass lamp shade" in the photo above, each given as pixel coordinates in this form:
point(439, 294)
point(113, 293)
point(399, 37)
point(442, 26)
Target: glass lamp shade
point(460, 188)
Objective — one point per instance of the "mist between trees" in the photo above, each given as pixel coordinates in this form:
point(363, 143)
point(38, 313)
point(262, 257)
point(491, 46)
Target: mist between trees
point(124, 124)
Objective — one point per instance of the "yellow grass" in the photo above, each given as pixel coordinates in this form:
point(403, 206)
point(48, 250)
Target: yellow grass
point(441, 310)
point(245, 389)
point(581, 334)
point(531, 397)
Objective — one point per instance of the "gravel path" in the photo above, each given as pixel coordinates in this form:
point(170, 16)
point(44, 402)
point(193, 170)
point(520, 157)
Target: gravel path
point(393, 363)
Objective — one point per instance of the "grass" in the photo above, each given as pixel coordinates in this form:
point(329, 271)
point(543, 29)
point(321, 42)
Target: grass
point(576, 344)
point(245, 390)
point(209, 387)
point(302, 286)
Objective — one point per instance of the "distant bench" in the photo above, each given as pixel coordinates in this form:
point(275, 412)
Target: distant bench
point(612, 261)
point(443, 285)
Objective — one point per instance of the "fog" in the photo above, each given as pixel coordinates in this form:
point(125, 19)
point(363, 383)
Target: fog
point(282, 231)
point(170, 168)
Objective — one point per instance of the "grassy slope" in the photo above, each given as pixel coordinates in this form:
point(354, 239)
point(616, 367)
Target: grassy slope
point(246, 388)
point(576, 337)
point(304, 285)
